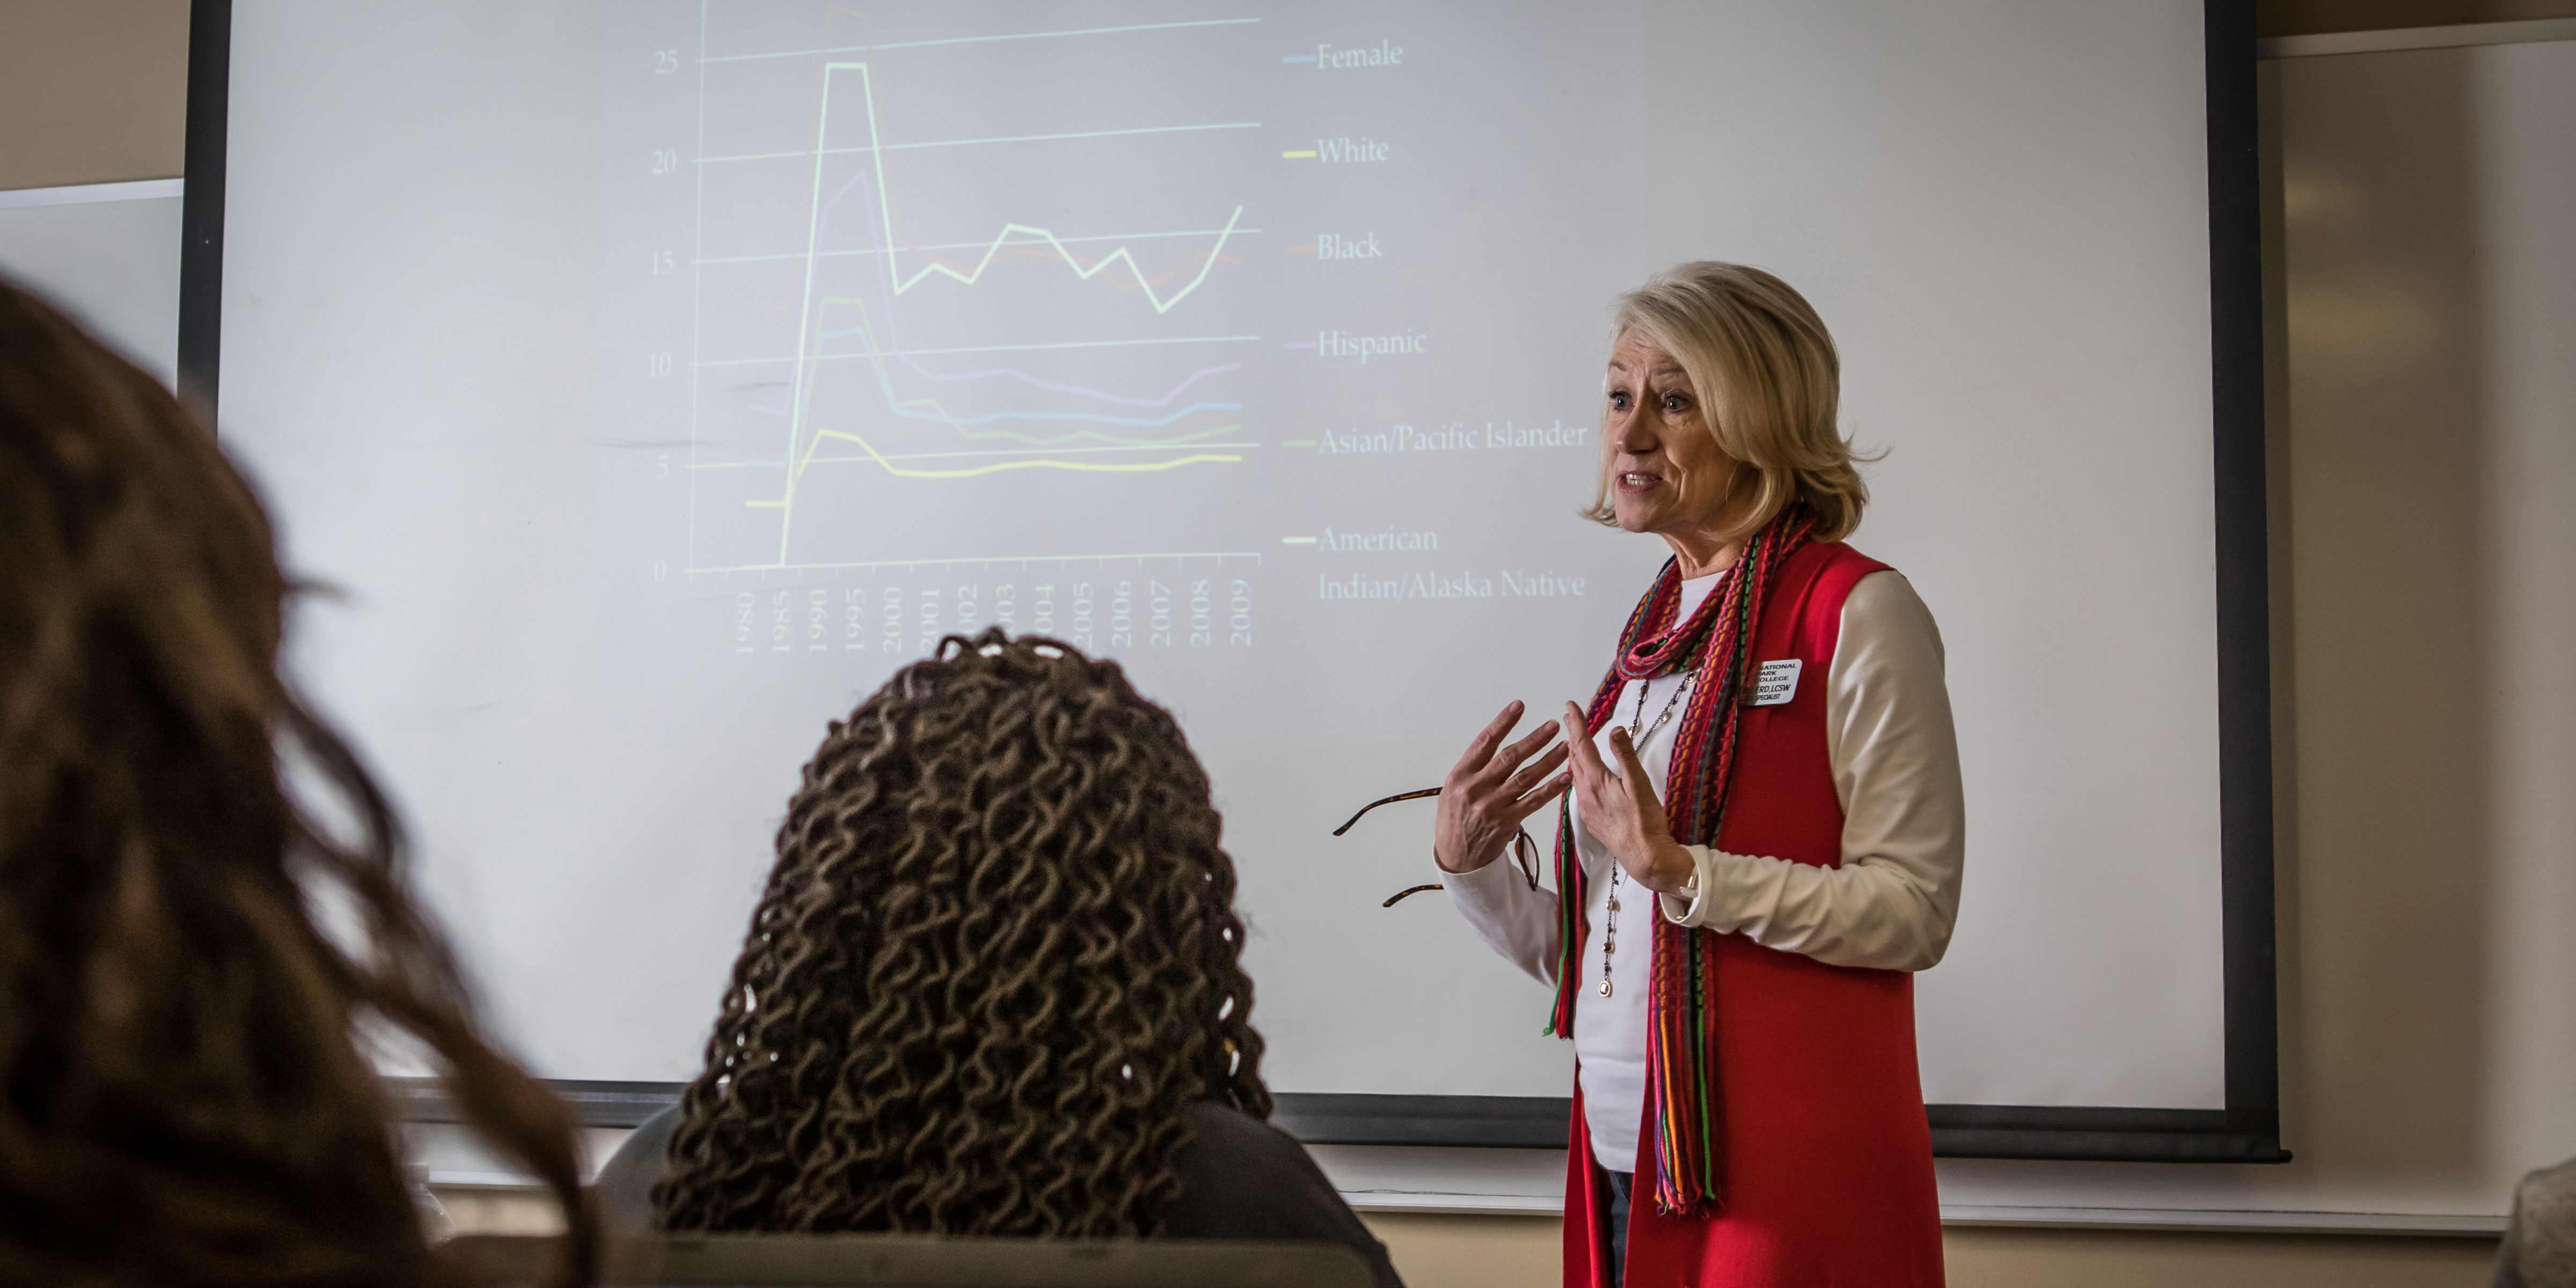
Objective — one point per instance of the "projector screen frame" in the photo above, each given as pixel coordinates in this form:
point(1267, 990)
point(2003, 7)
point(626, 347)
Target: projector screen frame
point(2247, 1130)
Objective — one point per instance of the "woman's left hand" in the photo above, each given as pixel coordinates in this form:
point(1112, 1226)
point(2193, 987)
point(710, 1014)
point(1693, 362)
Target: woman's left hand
point(1620, 808)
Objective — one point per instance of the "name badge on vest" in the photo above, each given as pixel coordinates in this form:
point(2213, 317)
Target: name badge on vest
point(1776, 682)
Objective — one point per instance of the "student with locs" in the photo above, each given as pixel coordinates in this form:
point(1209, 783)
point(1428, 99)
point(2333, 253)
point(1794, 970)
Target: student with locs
point(1762, 838)
point(992, 988)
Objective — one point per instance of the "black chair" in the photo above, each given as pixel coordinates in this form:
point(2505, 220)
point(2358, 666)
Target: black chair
point(919, 1261)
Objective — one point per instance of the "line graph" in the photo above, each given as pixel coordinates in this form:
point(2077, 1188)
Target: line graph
point(1044, 411)
point(945, 300)
point(808, 315)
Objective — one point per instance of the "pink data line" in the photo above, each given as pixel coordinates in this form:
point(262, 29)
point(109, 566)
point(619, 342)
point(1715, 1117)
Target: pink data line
point(1015, 373)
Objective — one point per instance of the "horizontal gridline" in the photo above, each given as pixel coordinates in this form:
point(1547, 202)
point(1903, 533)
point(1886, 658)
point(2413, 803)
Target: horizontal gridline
point(876, 250)
point(941, 456)
point(979, 40)
point(981, 561)
point(1005, 138)
point(987, 348)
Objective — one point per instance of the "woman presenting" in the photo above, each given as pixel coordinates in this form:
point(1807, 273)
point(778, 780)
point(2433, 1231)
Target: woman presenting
point(1763, 838)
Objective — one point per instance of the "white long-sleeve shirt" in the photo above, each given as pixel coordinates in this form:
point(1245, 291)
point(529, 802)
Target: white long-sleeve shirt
point(1890, 905)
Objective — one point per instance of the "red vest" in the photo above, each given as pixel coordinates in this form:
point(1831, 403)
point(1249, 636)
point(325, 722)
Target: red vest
point(1828, 1155)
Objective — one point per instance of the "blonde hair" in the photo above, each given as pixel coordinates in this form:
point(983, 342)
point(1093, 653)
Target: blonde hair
point(1769, 387)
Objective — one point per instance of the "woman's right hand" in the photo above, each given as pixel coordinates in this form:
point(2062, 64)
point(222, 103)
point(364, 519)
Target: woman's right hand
point(1484, 799)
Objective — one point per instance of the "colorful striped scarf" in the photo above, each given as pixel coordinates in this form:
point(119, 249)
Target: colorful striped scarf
point(1681, 1073)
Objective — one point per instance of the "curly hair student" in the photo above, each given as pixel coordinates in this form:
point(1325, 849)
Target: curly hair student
point(185, 1091)
point(993, 987)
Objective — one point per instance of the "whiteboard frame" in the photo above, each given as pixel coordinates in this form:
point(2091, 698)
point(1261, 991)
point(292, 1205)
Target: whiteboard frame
point(2247, 1130)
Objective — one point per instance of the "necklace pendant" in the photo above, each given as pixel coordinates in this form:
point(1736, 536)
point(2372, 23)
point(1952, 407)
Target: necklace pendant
point(1605, 988)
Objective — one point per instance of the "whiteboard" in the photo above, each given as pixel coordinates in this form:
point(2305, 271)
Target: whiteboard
point(108, 255)
point(656, 377)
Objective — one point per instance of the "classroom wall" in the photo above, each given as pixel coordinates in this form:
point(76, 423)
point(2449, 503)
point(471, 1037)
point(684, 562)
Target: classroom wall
point(2428, 283)
point(92, 91)
point(2425, 709)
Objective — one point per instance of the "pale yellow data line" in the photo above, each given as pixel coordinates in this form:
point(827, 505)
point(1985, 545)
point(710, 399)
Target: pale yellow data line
point(973, 471)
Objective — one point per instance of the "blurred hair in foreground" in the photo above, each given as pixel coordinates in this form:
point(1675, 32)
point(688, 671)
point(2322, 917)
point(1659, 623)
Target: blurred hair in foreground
point(186, 1095)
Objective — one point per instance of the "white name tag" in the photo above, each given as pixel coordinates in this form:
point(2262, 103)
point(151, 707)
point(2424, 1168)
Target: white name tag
point(1776, 682)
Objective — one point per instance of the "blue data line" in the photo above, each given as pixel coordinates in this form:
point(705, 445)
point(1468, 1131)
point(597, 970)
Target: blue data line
point(885, 388)
point(874, 359)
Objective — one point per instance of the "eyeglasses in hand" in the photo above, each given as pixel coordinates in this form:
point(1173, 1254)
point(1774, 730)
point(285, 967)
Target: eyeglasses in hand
point(1524, 850)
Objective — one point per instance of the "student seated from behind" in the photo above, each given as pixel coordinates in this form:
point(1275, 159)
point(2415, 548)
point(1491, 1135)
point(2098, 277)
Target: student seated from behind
point(992, 988)
point(183, 1096)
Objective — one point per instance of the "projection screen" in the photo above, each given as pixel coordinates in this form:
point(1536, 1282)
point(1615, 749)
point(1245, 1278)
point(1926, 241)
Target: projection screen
point(650, 379)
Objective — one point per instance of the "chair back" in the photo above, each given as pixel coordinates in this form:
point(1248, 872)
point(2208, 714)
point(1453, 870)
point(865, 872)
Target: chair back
point(915, 1261)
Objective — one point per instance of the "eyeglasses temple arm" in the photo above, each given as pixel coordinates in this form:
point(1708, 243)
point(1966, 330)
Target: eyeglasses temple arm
point(1408, 892)
point(1401, 796)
